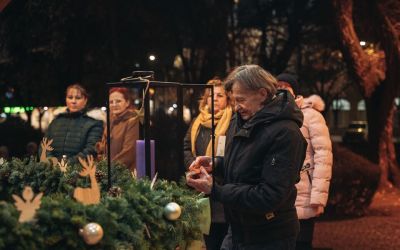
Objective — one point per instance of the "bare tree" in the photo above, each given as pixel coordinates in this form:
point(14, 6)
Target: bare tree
point(266, 32)
point(376, 74)
point(323, 70)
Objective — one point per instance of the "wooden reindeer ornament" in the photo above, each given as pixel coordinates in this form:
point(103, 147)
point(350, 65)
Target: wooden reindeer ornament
point(90, 195)
point(27, 205)
point(63, 166)
point(45, 145)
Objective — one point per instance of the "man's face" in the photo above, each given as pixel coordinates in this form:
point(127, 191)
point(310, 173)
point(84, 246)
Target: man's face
point(248, 102)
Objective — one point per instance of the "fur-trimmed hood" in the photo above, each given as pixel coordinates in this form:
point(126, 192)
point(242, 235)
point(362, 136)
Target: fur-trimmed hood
point(313, 101)
point(96, 114)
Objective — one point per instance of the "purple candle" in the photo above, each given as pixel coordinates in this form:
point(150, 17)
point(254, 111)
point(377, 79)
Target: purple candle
point(141, 158)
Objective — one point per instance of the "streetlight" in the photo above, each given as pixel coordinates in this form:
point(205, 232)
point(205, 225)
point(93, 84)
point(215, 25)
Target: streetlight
point(152, 57)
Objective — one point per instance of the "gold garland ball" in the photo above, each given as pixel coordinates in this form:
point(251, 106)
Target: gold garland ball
point(91, 233)
point(172, 211)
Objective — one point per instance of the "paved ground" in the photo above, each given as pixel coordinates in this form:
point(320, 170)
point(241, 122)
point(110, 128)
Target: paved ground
point(380, 229)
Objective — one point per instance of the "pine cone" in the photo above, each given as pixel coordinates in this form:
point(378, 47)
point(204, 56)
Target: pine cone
point(100, 175)
point(115, 192)
point(72, 181)
point(5, 175)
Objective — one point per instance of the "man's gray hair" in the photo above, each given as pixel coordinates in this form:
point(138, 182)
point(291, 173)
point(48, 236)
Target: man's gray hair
point(251, 77)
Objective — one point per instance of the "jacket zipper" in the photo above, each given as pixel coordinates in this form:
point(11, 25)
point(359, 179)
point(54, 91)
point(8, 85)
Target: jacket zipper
point(309, 176)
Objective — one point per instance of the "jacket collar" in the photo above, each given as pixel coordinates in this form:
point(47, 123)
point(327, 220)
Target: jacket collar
point(281, 107)
point(127, 114)
point(82, 112)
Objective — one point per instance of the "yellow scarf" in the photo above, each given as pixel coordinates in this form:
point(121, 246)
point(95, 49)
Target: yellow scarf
point(221, 120)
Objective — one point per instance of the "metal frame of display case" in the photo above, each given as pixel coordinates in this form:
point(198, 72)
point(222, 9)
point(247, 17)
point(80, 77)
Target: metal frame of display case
point(142, 84)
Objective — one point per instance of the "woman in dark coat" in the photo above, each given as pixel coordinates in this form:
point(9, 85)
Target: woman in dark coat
point(73, 132)
point(198, 142)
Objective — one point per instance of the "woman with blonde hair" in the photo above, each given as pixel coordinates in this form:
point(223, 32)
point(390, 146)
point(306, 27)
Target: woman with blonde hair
point(198, 143)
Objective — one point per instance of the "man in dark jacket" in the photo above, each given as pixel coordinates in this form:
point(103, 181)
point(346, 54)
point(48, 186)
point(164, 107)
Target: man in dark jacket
point(264, 152)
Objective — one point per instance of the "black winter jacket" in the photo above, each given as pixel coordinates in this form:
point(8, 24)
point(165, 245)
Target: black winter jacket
point(74, 134)
point(263, 157)
point(203, 138)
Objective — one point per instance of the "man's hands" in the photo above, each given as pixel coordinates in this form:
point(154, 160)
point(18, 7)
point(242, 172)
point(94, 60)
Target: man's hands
point(198, 176)
point(201, 161)
point(203, 183)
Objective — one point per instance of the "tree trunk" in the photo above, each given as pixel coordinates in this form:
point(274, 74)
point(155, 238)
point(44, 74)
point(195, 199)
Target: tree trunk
point(216, 46)
point(3, 4)
point(361, 67)
point(387, 156)
point(294, 35)
point(378, 81)
point(391, 45)
point(263, 58)
point(232, 37)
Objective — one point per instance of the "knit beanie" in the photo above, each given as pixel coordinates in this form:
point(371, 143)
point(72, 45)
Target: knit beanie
point(289, 79)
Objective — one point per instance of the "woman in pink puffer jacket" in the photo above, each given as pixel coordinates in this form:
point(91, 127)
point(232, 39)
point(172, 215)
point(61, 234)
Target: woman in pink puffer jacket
point(312, 190)
point(315, 175)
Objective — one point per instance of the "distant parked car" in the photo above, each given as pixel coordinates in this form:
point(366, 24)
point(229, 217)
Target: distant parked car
point(357, 131)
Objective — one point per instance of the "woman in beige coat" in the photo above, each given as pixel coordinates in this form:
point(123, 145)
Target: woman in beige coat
point(315, 175)
point(124, 129)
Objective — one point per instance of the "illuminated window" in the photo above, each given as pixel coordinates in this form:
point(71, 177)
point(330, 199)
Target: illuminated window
point(341, 104)
point(361, 105)
point(397, 101)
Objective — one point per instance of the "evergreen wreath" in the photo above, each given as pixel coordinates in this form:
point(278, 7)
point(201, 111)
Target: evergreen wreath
point(130, 212)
